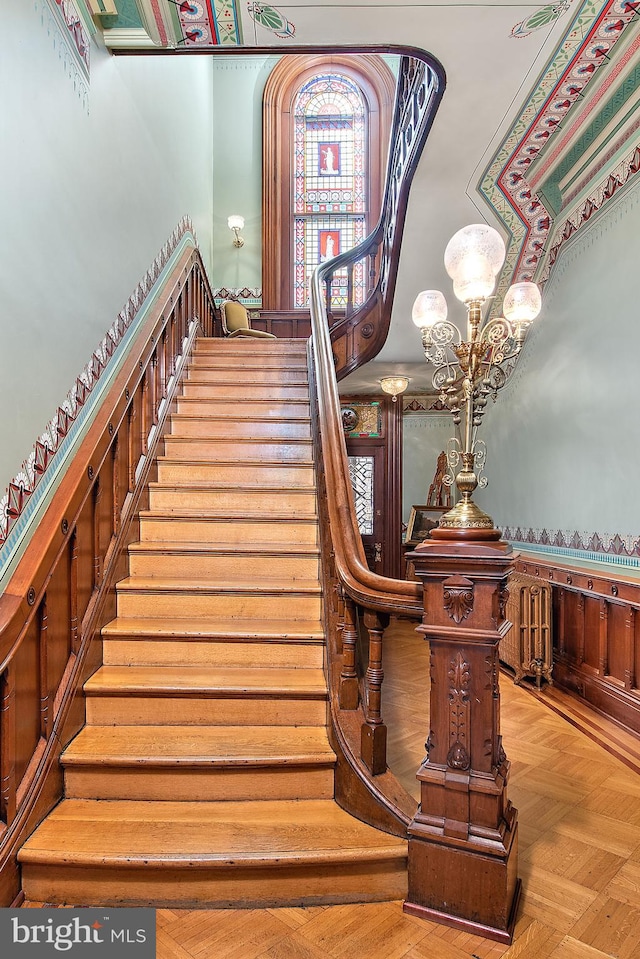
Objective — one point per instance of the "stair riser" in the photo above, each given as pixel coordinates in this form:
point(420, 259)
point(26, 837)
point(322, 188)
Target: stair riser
point(245, 501)
point(220, 566)
point(284, 345)
point(187, 652)
point(277, 430)
point(218, 888)
point(260, 606)
point(247, 361)
point(174, 711)
point(252, 474)
point(240, 392)
point(262, 374)
point(229, 450)
point(167, 529)
point(274, 409)
point(192, 785)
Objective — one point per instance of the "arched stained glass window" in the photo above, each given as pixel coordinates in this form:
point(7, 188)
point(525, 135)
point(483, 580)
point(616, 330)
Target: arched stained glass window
point(326, 123)
point(330, 181)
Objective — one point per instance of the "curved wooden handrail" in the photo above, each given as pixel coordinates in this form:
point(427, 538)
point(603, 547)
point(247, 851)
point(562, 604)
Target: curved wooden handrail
point(420, 92)
point(421, 84)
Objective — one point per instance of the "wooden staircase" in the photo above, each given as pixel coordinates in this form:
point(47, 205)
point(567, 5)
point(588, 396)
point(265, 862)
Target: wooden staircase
point(204, 775)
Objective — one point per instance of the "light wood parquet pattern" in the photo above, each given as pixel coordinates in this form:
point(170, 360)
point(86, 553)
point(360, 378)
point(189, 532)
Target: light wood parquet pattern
point(579, 816)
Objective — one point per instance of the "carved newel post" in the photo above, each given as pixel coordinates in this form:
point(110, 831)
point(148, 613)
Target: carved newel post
point(463, 839)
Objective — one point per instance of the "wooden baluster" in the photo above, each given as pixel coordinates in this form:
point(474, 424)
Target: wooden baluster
point(144, 413)
point(131, 417)
point(349, 309)
point(7, 746)
point(170, 341)
point(44, 672)
point(340, 619)
point(73, 587)
point(97, 551)
point(115, 499)
point(327, 292)
point(373, 741)
point(154, 388)
point(372, 271)
point(348, 696)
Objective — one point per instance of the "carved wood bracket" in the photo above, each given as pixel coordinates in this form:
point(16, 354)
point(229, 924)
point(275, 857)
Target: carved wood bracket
point(457, 597)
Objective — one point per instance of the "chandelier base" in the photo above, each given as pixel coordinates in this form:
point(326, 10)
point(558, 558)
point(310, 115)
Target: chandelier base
point(466, 521)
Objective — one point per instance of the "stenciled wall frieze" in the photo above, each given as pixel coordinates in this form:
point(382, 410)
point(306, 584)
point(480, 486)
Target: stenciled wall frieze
point(598, 547)
point(251, 297)
point(65, 26)
point(61, 427)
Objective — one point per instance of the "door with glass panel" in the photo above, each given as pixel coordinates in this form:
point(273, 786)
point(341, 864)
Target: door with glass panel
point(366, 470)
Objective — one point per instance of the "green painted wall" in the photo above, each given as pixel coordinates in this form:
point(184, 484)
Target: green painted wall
point(563, 435)
point(89, 197)
point(238, 85)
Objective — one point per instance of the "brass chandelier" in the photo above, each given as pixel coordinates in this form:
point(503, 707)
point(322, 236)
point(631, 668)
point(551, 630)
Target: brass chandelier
point(468, 371)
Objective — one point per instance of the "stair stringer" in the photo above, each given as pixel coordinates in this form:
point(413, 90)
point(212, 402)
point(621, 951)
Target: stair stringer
point(381, 801)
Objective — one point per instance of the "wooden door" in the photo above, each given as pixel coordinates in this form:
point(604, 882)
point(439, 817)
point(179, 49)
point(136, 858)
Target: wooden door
point(374, 451)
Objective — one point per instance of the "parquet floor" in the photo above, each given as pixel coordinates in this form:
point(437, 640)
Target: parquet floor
point(579, 816)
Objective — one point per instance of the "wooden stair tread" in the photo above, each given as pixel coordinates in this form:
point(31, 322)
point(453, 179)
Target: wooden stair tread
point(203, 681)
point(197, 835)
point(188, 485)
point(239, 417)
point(212, 515)
point(276, 584)
point(250, 549)
point(206, 746)
point(240, 464)
point(201, 627)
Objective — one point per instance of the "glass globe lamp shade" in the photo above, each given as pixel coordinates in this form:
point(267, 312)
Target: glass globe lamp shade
point(430, 307)
point(476, 239)
point(394, 385)
point(235, 222)
point(475, 279)
point(522, 302)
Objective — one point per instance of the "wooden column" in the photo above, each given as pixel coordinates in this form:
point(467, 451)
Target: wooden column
point(463, 839)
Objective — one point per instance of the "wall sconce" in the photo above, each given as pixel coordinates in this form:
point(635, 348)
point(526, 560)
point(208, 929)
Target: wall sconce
point(236, 223)
point(394, 385)
point(467, 371)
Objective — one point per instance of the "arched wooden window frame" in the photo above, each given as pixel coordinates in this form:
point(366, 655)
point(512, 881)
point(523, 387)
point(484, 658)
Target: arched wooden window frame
point(378, 85)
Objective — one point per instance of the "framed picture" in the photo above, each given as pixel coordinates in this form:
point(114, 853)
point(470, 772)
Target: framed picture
point(329, 159)
point(328, 243)
point(422, 520)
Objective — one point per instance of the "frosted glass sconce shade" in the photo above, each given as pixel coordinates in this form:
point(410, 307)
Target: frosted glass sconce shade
point(522, 302)
point(236, 223)
point(430, 307)
point(475, 278)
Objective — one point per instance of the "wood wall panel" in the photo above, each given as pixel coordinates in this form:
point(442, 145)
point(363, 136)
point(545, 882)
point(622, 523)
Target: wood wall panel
point(617, 642)
point(85, 540)
point(590, 631)
point(596, 622)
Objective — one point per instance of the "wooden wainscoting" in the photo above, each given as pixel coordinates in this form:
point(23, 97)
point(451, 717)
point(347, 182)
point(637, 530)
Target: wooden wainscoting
point(596, 629)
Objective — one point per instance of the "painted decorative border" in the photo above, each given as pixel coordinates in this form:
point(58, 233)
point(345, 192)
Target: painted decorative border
point(571, 544)
point(586, 46)
point(205, 24)
point(43, 459)
point(251, 297)
point(66, 43)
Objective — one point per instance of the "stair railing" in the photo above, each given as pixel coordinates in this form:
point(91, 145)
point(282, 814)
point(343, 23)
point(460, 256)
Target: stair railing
point(62, 591)
point(358, 332)
point(360, 602)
